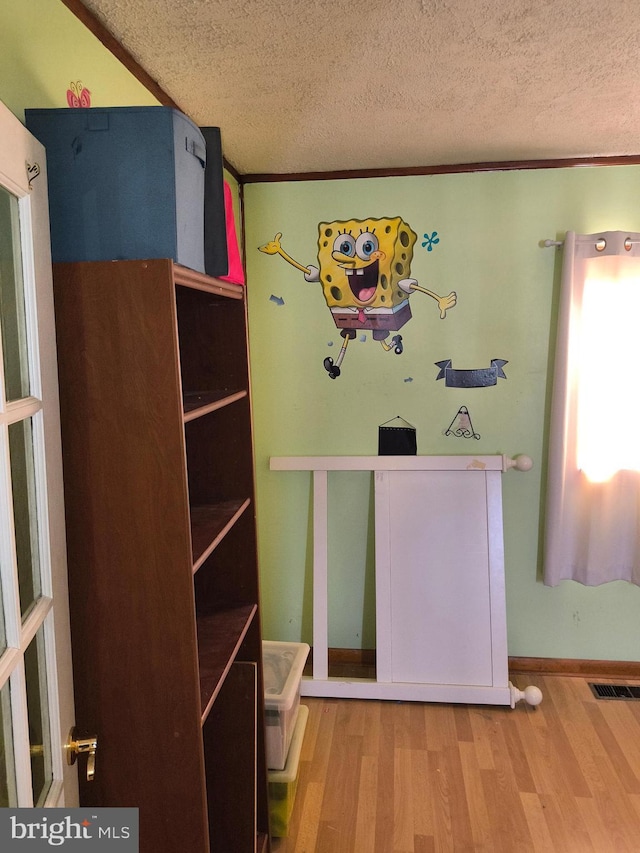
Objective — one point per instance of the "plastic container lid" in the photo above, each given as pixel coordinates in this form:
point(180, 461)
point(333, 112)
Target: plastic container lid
point(282, 665)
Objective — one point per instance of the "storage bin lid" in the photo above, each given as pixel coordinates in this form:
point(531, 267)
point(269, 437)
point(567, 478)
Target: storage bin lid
point(282, 665)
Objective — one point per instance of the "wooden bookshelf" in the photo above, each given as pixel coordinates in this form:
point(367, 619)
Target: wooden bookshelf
point(163, 580)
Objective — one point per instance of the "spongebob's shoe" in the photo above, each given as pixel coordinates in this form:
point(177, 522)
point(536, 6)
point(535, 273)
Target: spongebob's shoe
point(332, 369)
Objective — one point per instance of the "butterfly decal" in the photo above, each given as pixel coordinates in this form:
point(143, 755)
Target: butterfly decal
point(78, 96)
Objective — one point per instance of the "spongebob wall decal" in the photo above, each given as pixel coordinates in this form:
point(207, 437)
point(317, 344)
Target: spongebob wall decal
point(364, 267)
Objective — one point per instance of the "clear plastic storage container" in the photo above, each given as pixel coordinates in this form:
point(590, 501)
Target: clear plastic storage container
point(282, 664)
point(283, 784)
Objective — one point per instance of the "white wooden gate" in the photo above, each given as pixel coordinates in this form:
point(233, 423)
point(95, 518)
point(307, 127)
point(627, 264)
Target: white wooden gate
point(441, 631)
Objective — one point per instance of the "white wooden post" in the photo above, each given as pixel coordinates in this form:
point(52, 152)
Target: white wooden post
point(320, 576)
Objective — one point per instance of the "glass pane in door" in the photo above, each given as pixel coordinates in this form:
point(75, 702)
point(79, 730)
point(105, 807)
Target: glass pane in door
point(8, 792)
point(38, 713)
point(23, 485)
point(12, 307)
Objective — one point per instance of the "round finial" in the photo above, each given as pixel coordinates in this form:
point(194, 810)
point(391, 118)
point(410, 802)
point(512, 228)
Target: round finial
point(532, 695)
point(523, 463)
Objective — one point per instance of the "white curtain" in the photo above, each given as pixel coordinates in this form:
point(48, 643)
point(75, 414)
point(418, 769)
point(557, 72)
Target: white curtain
point(592, 532)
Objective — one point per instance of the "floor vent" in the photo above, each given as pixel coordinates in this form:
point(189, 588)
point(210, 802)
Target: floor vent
point(615, 691)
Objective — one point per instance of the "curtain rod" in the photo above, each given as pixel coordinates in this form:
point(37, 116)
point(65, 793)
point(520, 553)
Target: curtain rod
point(599, 244)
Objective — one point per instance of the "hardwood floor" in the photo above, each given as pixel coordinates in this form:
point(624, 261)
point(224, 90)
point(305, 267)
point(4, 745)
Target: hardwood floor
point(393, 777)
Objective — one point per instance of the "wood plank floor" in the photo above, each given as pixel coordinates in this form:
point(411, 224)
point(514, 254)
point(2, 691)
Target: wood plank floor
point(403, 777)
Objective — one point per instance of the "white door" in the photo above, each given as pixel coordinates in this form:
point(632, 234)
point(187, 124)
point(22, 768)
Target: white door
point(36, 693)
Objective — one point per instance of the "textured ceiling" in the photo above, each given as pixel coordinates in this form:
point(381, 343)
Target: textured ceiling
point(299, 86)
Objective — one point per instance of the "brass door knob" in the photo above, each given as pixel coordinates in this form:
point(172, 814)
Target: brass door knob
point(77, 745)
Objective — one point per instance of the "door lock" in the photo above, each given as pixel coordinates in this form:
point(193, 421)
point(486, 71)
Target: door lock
point(77, 745)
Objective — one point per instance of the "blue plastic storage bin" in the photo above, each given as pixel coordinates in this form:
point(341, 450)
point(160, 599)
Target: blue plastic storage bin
point(124, 183)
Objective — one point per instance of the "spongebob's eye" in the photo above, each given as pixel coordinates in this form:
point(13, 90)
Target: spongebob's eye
point(345, 244)
point(366, 245)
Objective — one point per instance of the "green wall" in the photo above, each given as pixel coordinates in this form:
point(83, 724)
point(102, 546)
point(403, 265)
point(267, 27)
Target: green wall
point(490, 226)
point(44, 48)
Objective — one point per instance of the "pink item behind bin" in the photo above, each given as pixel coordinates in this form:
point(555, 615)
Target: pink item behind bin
point(236, 273)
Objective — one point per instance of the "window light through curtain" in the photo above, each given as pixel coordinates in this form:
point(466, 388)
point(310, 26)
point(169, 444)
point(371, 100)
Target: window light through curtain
point(593, 499)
